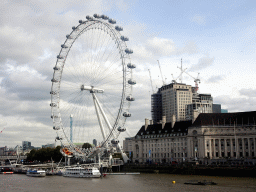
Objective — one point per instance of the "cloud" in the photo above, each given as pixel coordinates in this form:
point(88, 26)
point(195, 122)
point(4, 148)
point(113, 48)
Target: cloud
point(157, 47)
point(236, 104)
point(198, 19)
point(248, 92)
point(203, 63)
point(215, 79)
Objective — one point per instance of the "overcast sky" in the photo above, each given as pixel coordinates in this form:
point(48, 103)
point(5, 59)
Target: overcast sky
point(214, 38)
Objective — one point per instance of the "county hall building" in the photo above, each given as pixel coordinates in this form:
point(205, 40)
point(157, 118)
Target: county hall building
point(209, 137)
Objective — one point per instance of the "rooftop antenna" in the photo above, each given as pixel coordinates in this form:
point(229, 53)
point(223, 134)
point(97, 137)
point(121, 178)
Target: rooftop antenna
point(161, 72)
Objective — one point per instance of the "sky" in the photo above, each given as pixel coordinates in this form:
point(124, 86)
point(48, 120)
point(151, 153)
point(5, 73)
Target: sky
point(215, 39)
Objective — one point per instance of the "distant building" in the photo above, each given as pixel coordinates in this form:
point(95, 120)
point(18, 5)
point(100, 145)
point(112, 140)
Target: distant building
point(94, 142)
point(3, 150)
point(156, 106)
point(201, 103)
point(49, 145)
point(179, 102)
point(224, 111)
point(216, 108)
point(26, 145)
point(127, 144)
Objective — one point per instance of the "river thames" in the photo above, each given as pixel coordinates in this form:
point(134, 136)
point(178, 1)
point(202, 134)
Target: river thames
point(131, 183)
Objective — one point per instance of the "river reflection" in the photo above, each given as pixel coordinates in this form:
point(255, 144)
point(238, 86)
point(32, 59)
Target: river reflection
point(131, 183)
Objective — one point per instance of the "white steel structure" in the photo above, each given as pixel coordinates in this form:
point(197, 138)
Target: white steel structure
point(93, 81)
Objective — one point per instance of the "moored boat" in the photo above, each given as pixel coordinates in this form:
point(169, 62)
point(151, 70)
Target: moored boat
point(204, 182)
point(87, 172)
point(36, 173)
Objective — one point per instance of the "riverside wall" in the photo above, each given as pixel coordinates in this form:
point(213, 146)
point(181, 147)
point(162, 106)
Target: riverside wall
point(193, 170)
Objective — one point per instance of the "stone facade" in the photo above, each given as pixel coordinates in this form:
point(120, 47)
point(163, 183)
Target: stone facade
point(211, 136)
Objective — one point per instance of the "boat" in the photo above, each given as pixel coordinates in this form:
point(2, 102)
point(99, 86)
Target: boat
point(204, 182)
point(87, 172)
point(36, 173)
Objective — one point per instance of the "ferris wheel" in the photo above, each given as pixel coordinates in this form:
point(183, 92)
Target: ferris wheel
point(92, 86)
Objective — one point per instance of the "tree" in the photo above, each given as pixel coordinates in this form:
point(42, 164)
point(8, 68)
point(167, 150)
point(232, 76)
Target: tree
point(45, 154)
point(87, 145)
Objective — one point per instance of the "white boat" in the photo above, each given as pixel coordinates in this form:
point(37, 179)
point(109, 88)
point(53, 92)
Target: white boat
point(36, 173)
point(90, 172)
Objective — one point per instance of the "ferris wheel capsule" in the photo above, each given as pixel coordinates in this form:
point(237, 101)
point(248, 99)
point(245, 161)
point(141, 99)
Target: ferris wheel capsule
point(131, 82)
point(96, 15)
point(128, 51)
point(53, 105)
point(54, 116)
point(121, 129)
point(105, 17)
point(82, 21)
point(112, 21)
point(123, 38)
point(130, 98)
point(118, 28)
point(89, 17)
point(54, 80)
point(69, 36)
point(53, 92)
point(56, 128)
point(131, 66)
point(56, 68)
point(60, 57)
point(127, 114)
point(64, 46)
point(58, 138)
point(114, 141)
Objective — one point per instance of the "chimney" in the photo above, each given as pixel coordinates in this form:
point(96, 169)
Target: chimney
point(173, 120)
point(163, 121)
point(151, 122)
point(146, 123)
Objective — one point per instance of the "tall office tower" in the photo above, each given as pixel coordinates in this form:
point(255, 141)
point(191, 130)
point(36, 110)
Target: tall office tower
point(175, 98)
point(156, 107)
point(94, 142)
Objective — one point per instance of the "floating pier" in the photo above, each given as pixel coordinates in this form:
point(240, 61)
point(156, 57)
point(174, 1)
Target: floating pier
point(136, 173)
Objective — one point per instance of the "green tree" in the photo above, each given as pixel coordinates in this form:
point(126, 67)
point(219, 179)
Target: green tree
point(87, 145)
point(45, 154)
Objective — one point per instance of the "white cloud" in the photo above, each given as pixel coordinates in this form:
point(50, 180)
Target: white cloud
point(156, 47)
point(199, 19)
point(203, 63)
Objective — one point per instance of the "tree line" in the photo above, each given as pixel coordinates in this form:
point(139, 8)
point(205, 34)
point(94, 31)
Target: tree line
point(49, 154)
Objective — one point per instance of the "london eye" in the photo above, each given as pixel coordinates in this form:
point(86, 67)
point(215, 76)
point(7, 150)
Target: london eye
point(92, 85)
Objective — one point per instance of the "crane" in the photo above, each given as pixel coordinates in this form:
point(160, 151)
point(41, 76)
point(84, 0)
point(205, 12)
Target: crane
point(196, 80)
point(2, 130)
point(161, 72)
point(151, 81)
point(180, 75)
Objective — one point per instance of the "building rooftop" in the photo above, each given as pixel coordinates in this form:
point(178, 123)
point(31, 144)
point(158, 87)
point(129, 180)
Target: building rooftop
point(239, 118)
point(179, 127)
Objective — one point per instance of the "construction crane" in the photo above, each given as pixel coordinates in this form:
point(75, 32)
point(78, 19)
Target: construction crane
point(161, 72)
point(2, 130)
point(196, 80)
point(151, 81)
